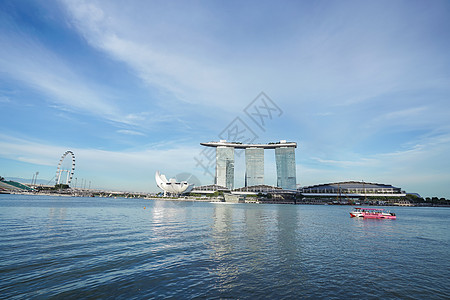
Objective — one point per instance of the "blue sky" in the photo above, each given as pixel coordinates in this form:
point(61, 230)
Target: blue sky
point(133, 87)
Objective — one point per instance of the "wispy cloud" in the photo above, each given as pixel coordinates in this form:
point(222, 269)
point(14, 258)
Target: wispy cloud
point(362, 98)
point(4, 99)
point(410, 114)
point(137, 167)
point(130, 132)
point(420, 167)
point(25, 59)
point(324, 114)
point(188, 78)
point(362, 162)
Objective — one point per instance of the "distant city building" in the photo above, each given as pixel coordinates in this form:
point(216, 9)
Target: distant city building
point(286, 168)
point(254, 166)
point(210, 189)
point(225, 166)
point(352, 189)
point(258, 189)
point(254, 161)
point(247, 190)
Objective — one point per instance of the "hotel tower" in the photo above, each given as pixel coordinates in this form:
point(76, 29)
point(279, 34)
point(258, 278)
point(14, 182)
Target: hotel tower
point(254, 163)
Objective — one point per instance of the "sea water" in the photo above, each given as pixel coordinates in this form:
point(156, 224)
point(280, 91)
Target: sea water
point(72, 248)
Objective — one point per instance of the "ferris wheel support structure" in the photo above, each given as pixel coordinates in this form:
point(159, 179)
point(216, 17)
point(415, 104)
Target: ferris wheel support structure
point(59, 171)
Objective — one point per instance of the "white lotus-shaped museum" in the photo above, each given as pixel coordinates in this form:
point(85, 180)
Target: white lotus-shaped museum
point(171, 185)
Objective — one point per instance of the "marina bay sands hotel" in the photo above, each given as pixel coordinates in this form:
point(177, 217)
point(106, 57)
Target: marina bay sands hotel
point(254, 163)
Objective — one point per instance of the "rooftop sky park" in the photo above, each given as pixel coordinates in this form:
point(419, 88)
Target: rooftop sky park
point(254, 163)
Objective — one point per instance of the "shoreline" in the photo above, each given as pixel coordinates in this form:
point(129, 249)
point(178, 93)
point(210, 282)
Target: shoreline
point(220, 200)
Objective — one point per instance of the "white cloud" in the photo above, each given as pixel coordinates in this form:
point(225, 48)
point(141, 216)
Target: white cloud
point(4, 99)
point(24, 59)
point(410, 117)
point(324, 114)
point(189, 78)
point(350, 163)
point(339, 85)
point(127, 170)
point(421, 167)
point(130, 132)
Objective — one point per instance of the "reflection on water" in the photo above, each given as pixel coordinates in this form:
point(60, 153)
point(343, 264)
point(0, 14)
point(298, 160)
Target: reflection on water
point(222, 246)
point(57, 213)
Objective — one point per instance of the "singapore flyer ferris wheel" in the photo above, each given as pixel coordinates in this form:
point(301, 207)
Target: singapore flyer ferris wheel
point(66, 167)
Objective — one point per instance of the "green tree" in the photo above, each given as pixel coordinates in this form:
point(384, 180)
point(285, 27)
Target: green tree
point(61, 186)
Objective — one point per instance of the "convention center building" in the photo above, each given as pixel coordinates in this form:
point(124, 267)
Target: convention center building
point(352, 189)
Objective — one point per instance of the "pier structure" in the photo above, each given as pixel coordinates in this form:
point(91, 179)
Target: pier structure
point(254, 163)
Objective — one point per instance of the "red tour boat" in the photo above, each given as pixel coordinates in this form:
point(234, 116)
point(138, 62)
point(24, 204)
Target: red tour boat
point(372, 213)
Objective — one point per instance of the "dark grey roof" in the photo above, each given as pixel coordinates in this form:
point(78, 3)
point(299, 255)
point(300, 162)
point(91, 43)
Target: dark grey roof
point(350, 185)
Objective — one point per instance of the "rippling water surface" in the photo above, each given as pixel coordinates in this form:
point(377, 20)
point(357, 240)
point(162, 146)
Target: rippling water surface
point(71, 248)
